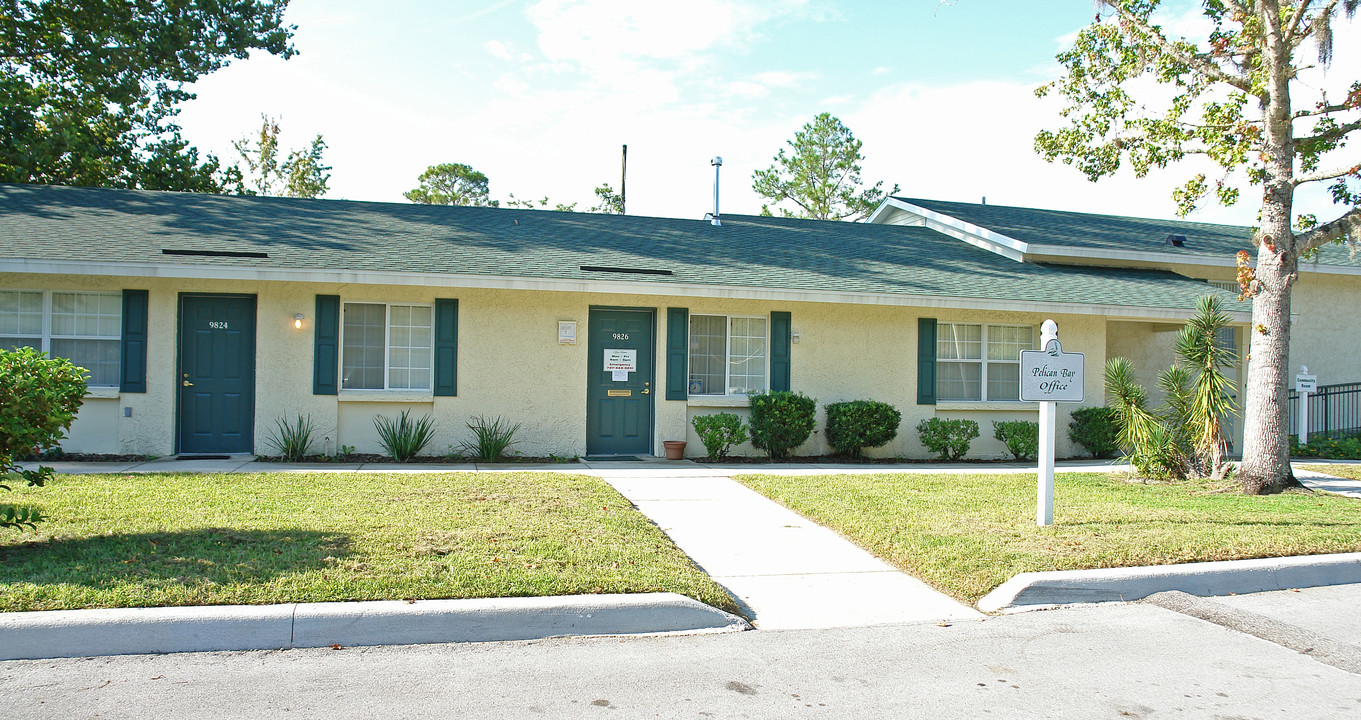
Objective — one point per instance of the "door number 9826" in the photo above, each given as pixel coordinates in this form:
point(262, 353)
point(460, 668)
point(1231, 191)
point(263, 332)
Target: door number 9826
point(621, 336)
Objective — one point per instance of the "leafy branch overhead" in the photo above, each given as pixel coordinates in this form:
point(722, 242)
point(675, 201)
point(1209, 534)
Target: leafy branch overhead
point(1232, 101)
point(821, 176)
point(1227, 92)
point(89, 88)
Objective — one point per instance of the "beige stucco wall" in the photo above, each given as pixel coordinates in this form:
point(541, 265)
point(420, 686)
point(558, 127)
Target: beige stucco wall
point(511, 365)
point(1324, 334)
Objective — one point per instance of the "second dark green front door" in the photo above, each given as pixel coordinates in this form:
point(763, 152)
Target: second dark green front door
point(216, 378)
point(619, 397)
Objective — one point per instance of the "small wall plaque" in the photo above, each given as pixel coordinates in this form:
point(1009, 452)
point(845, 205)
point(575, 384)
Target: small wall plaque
point(567, 332)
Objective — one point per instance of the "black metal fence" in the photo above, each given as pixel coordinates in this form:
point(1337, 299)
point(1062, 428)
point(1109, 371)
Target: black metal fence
point(1334, 411)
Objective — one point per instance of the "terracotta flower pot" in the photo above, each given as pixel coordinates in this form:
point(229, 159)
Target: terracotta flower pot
point(675, 449)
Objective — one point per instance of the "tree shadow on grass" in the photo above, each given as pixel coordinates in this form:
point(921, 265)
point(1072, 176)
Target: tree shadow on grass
point(220, 556)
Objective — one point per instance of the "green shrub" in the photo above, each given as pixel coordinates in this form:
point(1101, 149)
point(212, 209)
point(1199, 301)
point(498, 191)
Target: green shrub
point(947, 438)
point(291, 440)
point(1096, 429)
point(1022, 437)
point(719, 432)
point(39, 397)
point(858, 424)
point(403, 438)
point(491, 439)
point(781, 421)
point(1319, 446)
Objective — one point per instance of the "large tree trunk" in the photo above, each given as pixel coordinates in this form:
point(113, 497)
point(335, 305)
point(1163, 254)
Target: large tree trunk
point(1266, 449)
point(1266, 452)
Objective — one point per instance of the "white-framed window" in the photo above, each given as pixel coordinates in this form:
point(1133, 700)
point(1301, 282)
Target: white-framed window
point(84, 327)
point(980, 362)
point(386, 346)
point(728, 354)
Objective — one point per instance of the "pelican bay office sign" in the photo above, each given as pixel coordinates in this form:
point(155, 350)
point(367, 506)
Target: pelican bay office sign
point(1048, 377)
point(1052, 375)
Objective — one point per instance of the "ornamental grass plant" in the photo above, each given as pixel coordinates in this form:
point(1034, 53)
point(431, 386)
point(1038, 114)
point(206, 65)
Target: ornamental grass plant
point(404, 438)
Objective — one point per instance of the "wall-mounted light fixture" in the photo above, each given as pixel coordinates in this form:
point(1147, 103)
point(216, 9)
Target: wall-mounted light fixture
point(297, 321)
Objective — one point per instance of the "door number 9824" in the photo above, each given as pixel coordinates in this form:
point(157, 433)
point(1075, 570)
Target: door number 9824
point(217, 324)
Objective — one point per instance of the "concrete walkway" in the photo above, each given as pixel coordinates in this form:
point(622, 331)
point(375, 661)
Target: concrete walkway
point(788, 572)
point(1327, 483)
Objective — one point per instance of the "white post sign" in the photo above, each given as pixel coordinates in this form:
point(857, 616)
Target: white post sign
point(1049, 376)
point(1305, 384)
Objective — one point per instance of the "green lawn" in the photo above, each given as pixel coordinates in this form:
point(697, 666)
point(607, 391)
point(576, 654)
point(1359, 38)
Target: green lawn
point(147, 540)
point(967, 534)
point(1351, 472)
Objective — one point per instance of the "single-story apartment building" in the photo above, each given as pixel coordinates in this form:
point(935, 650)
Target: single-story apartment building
point(205, 319)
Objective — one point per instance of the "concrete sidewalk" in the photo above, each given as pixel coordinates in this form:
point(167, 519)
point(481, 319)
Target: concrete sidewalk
point(788, 572)
point(1324, 482)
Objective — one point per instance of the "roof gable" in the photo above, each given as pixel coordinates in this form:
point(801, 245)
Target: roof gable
point(1058, 234)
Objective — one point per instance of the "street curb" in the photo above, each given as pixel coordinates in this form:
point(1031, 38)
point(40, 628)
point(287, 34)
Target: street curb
point(1065, 587)
point(132, 631)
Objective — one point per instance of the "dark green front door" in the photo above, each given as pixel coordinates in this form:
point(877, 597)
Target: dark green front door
point(216, 378)
point(619, 383)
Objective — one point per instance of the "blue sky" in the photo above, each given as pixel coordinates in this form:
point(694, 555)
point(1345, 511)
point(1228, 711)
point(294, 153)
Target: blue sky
point(540, 94)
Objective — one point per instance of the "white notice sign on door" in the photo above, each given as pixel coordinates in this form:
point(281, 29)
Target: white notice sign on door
point(621, 359)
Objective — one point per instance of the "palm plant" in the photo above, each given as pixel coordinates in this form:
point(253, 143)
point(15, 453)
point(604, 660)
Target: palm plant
point(1187, 435)
point(1142, 434)
point(1211, 399)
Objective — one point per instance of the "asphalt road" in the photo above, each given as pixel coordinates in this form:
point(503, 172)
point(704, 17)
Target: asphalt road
point(1138, 660)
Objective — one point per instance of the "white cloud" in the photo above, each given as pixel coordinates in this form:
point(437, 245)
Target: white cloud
point(608, 37)
point(784, 79)
point(746, 89)
point(761, 84)
point(497, 49)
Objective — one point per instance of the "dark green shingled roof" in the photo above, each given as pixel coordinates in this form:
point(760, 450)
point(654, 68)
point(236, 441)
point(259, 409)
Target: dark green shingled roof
point(128, 226)
point(1114, 232)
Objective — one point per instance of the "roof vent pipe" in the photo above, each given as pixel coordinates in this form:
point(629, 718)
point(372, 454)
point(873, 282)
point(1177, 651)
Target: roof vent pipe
point(717, 162)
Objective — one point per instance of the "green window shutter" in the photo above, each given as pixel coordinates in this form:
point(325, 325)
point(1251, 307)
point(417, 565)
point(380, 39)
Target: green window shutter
point(132, 354)
point(677, 353)
point(781, 333)
point(326, 346)
point(446, 347)
point(926, 361)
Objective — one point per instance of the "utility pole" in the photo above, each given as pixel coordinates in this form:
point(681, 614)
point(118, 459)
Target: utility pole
point(623, 178)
